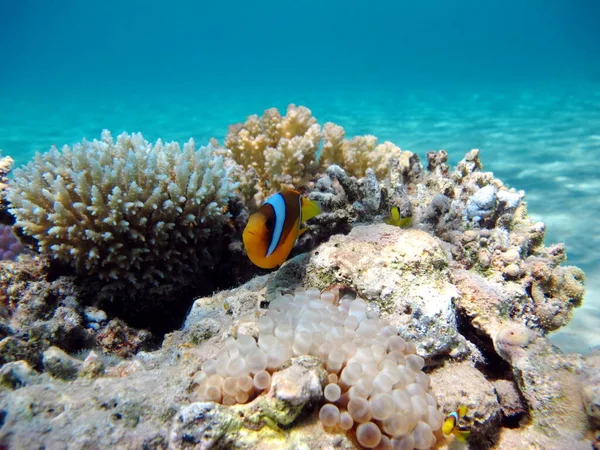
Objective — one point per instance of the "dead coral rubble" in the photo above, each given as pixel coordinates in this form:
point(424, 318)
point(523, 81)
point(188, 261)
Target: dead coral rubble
point(38, 313)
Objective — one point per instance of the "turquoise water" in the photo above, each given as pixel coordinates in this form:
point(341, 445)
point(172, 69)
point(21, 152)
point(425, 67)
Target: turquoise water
point(522, 83)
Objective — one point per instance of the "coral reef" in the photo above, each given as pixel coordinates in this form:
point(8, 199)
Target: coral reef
point(117, 338)
point(177, 414)
point(591, 389)
point(455, 308)
point(125, 210)
point(460, 383)
point(358, 154)
point(552, 388)
point(405, 273)
point(6, 166)
point(493, 250)
point(274, 151)
point(38, 312)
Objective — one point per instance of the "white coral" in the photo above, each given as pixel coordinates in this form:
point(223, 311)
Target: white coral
point(126, 209)
point(6, 165)
point(281, 150)
point(294, 159)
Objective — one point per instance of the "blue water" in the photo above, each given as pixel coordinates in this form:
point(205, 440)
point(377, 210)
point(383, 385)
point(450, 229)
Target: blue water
point(518, 79)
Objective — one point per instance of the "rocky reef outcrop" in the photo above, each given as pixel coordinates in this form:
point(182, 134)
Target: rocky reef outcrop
point(517, 386)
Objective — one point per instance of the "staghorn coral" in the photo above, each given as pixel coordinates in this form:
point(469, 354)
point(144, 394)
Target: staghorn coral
point(127, 210)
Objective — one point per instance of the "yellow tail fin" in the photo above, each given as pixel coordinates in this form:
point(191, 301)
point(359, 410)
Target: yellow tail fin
point(309, 209)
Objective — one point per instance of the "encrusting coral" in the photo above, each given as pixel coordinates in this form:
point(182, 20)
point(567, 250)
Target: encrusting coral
point(125, 210)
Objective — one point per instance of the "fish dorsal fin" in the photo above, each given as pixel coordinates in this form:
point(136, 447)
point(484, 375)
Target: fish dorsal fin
point(309, 209)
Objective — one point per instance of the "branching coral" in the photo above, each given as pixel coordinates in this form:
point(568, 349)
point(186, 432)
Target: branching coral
point(125, 210)
point(357, 154)
point(275, 151)
point(6, 165)
point(282, 150)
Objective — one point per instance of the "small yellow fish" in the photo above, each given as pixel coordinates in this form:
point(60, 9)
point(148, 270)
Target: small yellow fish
point(396, 220)
point(451, 424)
point(272, 231)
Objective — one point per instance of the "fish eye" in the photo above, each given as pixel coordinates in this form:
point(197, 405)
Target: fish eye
point(269, 224)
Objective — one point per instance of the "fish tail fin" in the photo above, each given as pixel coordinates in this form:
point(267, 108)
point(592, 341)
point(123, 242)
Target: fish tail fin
point(310, 209)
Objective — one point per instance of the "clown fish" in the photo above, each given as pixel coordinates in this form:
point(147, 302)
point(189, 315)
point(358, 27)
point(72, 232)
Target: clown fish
point(272, 231)
point(451, 424)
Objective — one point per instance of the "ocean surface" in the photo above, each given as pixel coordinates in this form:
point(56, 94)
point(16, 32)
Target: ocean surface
point(518, 80)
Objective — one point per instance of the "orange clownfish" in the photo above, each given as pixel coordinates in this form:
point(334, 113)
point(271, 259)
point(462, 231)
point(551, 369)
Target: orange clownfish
point(272, 231)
